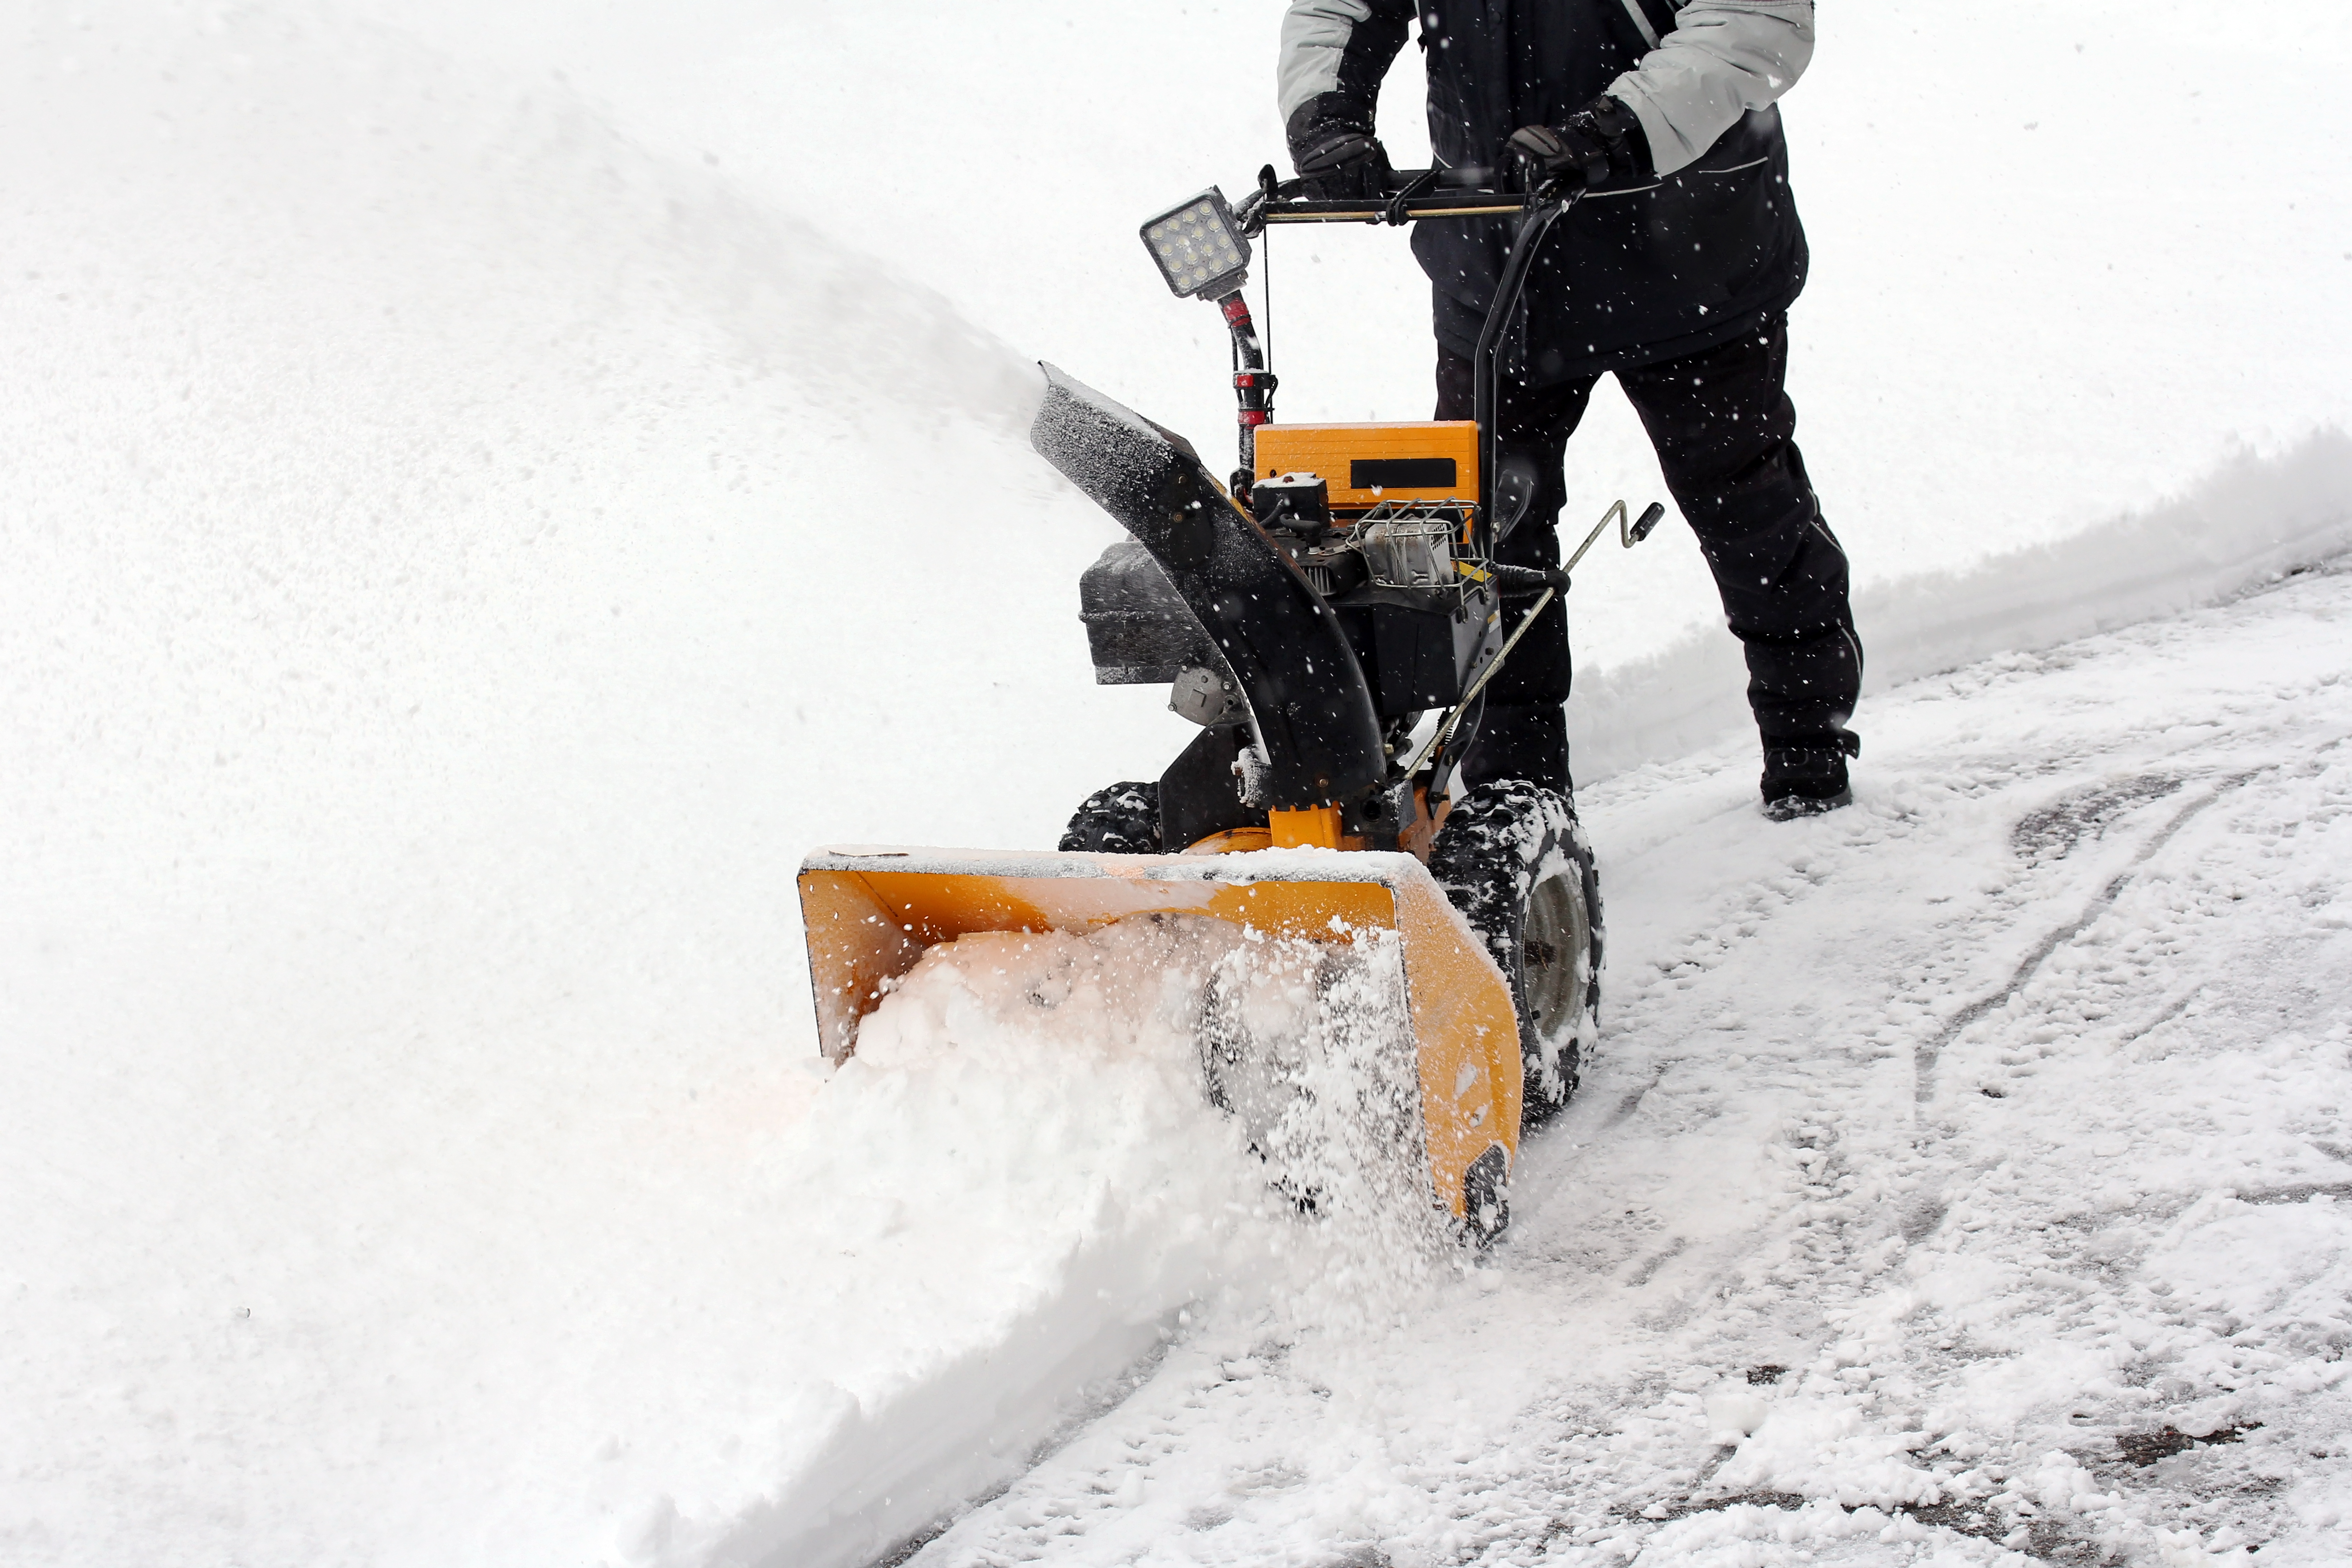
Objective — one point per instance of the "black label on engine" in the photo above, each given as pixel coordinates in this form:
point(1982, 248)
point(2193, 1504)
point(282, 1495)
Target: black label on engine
point(1401, 474)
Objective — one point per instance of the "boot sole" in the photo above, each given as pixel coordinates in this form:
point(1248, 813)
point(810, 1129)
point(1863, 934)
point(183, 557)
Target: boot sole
point(1790, 808)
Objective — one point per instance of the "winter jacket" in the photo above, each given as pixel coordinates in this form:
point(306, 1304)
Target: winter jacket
point(1637, 274)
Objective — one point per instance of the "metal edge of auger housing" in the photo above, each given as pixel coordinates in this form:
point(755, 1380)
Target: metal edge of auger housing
point(871, 912)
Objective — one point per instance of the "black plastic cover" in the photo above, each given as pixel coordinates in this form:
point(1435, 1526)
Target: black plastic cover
point(1414, 657)
point(1295, 503)
point(1139, 628)
point(1311, 709)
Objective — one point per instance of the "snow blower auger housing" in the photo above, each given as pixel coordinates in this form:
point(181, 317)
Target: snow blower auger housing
point(1330, 618)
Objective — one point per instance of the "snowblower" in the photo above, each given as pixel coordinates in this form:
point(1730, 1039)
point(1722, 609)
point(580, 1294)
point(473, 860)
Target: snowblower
point(1329, 618)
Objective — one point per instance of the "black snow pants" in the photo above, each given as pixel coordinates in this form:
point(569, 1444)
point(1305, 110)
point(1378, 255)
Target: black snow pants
point(1723, 428)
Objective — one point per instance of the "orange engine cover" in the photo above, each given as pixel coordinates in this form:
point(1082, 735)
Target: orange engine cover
point(1364, 465)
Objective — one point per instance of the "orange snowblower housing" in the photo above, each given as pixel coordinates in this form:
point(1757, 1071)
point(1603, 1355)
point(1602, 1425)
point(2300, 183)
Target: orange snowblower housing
point(870, 914)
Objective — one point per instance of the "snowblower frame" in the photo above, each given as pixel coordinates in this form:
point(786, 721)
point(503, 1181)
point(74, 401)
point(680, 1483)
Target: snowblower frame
point(1310, 622)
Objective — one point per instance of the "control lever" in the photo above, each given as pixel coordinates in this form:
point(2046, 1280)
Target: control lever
point(1547, 582)
point(1628, 534)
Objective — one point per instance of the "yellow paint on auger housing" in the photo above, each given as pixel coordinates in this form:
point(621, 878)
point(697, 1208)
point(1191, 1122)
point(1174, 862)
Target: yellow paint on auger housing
point(1311, 827)
point(870, 913)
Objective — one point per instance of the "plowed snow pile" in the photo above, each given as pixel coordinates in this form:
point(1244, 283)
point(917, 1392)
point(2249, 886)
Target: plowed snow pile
point(1011, 1195)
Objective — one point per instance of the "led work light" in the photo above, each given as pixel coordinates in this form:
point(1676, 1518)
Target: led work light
point(1199, 246)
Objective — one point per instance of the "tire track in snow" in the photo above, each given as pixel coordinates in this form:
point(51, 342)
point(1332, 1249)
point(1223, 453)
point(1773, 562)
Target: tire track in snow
point(1928, 1057)
point(1929, 1054)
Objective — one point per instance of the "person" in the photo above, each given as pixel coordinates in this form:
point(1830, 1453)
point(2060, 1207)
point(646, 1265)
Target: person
point(1675, 273)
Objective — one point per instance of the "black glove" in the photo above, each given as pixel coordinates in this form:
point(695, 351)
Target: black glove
point(1341, 164)
point(1600, 145)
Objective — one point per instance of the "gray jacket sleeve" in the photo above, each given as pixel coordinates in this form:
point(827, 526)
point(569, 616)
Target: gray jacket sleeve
point(1341, 46)
point(1720, 60)
point(1314, 35)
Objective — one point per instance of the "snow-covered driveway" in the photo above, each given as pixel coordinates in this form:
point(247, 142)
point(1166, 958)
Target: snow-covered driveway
point(1963, 1175)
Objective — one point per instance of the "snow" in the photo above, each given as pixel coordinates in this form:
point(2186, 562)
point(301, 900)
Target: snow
point(489, 488)
point(2242, 526)
point(1994, 1201)
point(1018, 1180)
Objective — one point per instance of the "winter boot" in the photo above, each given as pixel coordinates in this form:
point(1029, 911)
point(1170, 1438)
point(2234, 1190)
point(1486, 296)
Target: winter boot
point(1805, 778)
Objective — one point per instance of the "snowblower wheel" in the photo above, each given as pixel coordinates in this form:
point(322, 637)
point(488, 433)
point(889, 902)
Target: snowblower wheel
point(1121, 820)
point(1514, 859)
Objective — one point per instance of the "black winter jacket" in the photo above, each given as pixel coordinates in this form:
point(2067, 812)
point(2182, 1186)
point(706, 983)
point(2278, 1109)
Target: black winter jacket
point(1635, 275)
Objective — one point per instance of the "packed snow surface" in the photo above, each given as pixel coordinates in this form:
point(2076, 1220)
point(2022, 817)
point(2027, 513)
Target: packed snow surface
point(1964, 1178)
point(489, 487)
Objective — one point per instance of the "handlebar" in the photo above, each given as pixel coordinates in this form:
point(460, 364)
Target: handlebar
point(1468, 192)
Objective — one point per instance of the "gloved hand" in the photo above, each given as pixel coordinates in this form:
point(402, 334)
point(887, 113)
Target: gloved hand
point(1341, 164)
point(1600, 145)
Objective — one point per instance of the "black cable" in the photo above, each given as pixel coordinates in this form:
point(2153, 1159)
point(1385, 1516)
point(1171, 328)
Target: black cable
point(1265, 333)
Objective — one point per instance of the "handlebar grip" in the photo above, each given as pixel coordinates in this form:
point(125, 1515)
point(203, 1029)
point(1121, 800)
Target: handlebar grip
point(1651, 517)
point(1521, 582)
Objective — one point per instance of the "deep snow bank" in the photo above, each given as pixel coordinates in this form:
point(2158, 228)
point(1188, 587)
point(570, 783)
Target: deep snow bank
point(2255, 519)
point(438, 531)
point(1011, 1193)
